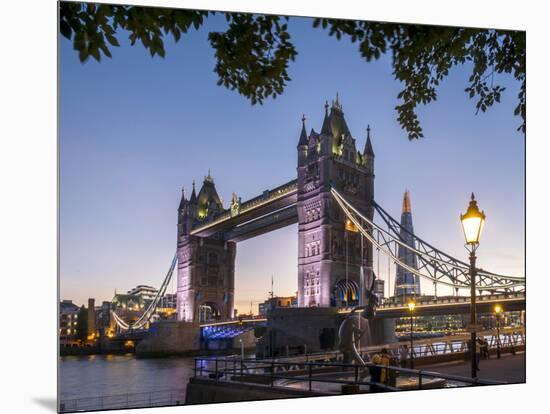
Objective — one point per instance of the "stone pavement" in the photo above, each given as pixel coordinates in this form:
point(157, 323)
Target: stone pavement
point(510, 368)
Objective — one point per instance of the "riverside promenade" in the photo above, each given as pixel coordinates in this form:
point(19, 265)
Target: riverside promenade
point(509, 368)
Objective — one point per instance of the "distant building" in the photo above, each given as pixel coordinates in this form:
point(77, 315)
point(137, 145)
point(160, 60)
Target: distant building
point(168, 301)
point(147, 293)
point(104, 323)
point(277, 302)
point(379, 290)
point(166, 308)
point(127, 302)
point(91, 318)
point(68, 321)
point(406, 282)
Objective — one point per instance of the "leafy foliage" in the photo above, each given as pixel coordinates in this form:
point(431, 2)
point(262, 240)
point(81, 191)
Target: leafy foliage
point(423, 55)
point(254, 53)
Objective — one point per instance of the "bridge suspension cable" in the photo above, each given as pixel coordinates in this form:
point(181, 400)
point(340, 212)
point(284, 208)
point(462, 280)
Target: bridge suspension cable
point(440, 267)
point(434, 253)
point(153, 305)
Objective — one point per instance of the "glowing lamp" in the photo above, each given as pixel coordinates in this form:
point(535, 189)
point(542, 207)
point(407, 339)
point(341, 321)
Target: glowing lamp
point(350, 226)
point(498, 309)
point(411, 306)
point(472, 222)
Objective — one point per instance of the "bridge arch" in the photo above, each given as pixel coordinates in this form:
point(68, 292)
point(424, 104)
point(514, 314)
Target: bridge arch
point(209, 311)
point(346, 293)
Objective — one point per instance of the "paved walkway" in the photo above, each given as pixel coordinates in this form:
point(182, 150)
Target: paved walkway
point(510, 368)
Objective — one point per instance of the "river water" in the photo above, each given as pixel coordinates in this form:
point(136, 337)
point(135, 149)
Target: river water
point(100, 375)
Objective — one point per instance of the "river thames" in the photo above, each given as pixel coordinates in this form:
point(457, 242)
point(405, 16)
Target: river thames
point(100, 375)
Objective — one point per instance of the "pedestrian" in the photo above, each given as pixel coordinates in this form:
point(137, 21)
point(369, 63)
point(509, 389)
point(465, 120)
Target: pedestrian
point(478, 351)
point(375, 373)
point(485, 349)
point(385, 360)
point(403, 356)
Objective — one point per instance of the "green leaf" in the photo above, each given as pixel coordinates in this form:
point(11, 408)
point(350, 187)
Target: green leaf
point(65, 29)
point(112, 40)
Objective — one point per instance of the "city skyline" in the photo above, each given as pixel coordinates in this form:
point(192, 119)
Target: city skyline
point(121, 176)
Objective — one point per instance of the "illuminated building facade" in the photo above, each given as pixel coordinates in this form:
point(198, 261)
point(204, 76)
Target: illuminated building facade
point(329, 254)
point(147, 293)
point(68, 321)
point(206, 266)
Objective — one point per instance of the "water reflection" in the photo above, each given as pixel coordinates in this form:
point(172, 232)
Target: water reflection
point(97, 375)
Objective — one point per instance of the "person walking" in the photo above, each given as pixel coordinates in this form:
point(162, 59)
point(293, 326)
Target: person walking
point(485, 349)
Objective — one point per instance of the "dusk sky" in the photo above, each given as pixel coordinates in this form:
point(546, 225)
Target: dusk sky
point(135, 129)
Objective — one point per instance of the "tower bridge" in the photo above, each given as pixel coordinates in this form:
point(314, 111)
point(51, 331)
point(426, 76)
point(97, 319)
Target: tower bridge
point(330, 260)
point(332, 200)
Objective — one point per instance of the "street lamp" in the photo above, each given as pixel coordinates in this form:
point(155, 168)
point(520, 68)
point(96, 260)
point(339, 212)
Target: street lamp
point(411, 306)
point(498, 312)
point(472, 224)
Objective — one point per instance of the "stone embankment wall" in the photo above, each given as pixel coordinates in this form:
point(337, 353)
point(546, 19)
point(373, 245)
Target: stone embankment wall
point(205, 391)
point(170, 338)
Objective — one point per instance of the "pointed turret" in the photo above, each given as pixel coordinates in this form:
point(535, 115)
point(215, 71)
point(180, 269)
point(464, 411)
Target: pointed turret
point(303, 134)
point(334, 123)
point(193, 199)
point(183, 201)
point(325, 129)
point(406, 203)
point(368, 144)
point(208, 200)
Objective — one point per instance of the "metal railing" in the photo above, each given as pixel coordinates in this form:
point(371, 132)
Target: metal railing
point(120, 401)
point(511, 340)
point(269, 373)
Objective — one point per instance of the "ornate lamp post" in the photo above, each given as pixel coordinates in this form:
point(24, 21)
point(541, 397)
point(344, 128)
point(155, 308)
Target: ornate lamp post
point(472, 224)
point(411, 306)
point(498, 312)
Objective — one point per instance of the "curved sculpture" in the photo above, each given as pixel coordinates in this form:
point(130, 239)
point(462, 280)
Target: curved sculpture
point(354, 326)
point(351, 330)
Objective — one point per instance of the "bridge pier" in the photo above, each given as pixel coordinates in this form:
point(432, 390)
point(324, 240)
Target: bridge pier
point(292, 331)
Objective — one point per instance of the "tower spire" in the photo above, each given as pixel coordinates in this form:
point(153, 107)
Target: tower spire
point(303, 134)
point(183, 200)
point(325, 129)
point(368, 144)
point(406, 202)
point(193, 198)
point(209, 177)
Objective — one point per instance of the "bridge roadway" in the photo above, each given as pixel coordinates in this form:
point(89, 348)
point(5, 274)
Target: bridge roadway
point(270, 211)
point(451, 305)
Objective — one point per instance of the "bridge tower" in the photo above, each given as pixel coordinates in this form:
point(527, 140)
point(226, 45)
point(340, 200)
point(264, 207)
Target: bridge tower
point(329, 252)
point(206, 265)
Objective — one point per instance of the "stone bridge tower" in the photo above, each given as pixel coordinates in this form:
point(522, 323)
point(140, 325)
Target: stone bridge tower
point(329, 252)
point(206, 265)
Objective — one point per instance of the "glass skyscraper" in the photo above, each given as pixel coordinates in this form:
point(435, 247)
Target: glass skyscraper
point(406, 282)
